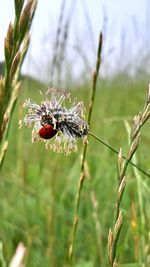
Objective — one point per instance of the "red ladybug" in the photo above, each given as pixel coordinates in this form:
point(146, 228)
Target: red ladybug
point(47, 132)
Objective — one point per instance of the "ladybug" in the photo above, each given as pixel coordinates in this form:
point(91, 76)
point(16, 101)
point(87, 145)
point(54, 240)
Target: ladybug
point(47, 131)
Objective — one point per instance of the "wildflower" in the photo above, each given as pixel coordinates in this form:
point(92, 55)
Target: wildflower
point(52, 120)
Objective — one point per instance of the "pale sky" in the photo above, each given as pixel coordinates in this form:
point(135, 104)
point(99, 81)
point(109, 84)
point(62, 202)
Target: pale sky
point(125, 29)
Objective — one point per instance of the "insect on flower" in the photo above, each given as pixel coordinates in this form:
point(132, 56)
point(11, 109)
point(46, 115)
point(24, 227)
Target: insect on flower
point(53, 120)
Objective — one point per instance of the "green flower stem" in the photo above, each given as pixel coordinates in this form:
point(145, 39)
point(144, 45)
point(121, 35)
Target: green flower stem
point(82, 173)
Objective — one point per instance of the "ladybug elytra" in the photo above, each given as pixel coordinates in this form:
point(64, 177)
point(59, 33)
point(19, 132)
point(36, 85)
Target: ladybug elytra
point(47, 131)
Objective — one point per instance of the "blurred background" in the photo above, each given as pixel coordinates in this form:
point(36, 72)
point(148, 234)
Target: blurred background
point(37, 186)
point(66, 32)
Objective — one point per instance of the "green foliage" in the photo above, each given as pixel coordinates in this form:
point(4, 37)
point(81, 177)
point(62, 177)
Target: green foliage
point(38, 186)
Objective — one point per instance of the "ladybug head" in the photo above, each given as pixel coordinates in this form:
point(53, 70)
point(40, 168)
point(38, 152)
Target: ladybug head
point(46, 119)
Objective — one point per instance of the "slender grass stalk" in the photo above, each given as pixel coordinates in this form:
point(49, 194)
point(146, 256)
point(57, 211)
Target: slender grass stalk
point(98, 228)
point(15, 47)
point(114, 232)
point(57, 41)
point(82, 173)
point(147, 249)
point(142, 216)
point(141, 205)
point(2, 261)
point(117, 152)
point(3, 152)
point(63, 43)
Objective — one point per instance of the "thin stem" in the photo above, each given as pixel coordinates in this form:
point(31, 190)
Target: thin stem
point(57, 40)
point(123, 162)
point(95, 76)
point(2, 260)
point(141, 204)
point(82, 173)
point(141, 211)
point(116, 152)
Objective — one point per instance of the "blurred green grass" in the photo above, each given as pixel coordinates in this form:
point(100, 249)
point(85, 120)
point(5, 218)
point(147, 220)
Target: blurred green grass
point(38, 186)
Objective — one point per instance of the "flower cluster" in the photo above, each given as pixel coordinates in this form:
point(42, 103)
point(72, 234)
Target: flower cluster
point(52, 119)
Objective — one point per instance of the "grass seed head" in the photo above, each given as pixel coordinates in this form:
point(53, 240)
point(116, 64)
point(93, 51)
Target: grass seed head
point(52, 119)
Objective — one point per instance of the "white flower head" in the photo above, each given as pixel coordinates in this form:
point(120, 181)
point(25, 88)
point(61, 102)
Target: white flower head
point(54, 123)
